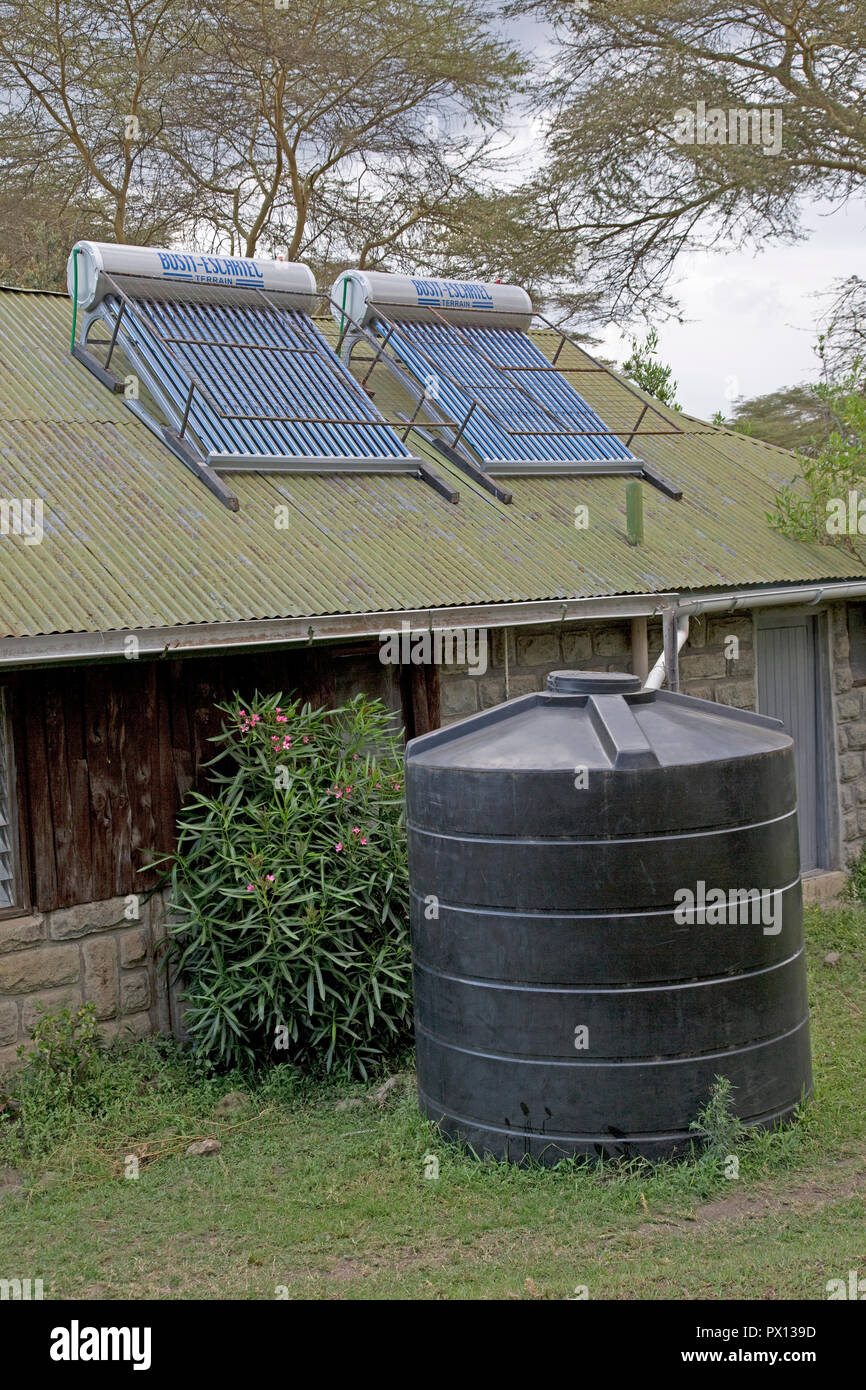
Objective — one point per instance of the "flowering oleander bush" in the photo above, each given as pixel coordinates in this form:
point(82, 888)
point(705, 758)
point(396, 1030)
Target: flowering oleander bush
point(289, 889)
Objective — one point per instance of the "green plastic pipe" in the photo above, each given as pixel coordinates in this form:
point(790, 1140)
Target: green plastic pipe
point(75, 253)
point(343, 315)
point(634, 513)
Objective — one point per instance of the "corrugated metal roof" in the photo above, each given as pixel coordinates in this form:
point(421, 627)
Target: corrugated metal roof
point(133, 539)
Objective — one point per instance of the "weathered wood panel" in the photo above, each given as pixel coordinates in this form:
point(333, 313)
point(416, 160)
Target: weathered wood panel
point(107, 753)
point(38, 823)
point(421, 699)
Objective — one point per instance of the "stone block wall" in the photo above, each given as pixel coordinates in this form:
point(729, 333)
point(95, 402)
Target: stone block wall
point(90, 953)
point(718, 661)
point(850, 710)
point(712, 667)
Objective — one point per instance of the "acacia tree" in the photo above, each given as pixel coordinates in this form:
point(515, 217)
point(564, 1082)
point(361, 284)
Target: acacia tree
point(842, 341)
point(90, 88)
point(624, 181)
point(793, 417)
point(342, 128)
point(330, 129)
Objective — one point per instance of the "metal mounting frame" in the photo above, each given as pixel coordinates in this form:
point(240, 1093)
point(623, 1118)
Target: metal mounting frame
point(639, 468)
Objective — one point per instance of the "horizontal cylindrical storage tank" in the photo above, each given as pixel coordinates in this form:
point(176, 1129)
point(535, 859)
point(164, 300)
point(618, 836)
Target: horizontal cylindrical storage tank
point(98, 259)
point(606, 916)
point(362, 295)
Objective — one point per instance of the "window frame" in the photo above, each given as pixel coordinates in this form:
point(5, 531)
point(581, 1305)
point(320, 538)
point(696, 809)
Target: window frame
point(856, 642)
point(20, 891)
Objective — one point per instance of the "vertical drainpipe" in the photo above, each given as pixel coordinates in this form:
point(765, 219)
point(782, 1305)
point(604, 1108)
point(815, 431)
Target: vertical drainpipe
point(671, 648)
point(639, 648)
point(675, 630)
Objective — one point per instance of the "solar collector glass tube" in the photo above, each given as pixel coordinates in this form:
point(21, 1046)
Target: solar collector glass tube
point(259, 361)
point(479, 430)
point(515, 406)
point(171, 372)
point(511, 348)
point(463, 352)
point(265, 387)
point(226, 371)
point(458, 361)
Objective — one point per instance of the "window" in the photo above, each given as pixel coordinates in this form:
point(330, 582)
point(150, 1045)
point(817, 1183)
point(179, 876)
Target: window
point(857, 641)
point(11, 886)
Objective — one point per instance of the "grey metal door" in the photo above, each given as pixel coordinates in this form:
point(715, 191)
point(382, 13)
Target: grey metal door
point(788, 690)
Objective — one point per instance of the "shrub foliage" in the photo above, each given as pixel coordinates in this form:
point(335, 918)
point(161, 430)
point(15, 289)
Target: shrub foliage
point(289, 889)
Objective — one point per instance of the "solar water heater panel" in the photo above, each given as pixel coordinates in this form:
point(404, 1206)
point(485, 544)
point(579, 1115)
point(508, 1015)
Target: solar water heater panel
point(227, 367)
point(273, 385)
point(525, 409)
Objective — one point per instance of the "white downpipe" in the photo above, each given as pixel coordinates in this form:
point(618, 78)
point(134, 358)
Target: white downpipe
point(811, 594)
point(655, 679)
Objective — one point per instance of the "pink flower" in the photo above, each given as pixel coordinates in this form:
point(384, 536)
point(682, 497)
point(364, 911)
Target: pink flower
point(251, 887)
point(338, 846)
point(338, 795)
point(348, 789)
point(363, 839)
point(269, 877)
point(356, 829)
point(355, 756)
point(282, 719)
point(306, 740)
point(378, 784)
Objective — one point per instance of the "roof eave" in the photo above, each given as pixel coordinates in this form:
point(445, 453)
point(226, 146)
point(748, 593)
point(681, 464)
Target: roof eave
point(136, 643)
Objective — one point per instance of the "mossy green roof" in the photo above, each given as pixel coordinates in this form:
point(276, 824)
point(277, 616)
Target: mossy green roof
point(134, 540)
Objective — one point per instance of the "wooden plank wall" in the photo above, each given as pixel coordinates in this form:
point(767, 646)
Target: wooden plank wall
point(106, 753)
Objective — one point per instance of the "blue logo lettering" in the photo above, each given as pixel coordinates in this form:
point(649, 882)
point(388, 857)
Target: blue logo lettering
point(449, 294)
point(211, 269)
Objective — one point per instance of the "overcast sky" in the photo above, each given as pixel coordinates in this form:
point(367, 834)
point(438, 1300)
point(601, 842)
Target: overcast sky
point(751, 317)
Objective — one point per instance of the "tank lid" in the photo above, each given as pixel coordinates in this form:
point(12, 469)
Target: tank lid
point(598, 719)
point(592, 682)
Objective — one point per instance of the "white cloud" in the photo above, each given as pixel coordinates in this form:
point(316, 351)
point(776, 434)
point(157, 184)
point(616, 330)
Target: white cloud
point(751, 317)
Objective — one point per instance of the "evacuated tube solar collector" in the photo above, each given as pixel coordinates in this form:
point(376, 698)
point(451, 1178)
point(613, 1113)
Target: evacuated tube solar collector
point(225, 364)
point(466, 345)
point(606, 916)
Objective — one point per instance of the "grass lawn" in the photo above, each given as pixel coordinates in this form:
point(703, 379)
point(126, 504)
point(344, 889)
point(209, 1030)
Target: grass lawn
point(322, 1189)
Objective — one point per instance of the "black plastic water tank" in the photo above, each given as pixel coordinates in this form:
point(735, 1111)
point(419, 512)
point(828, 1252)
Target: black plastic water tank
point(606, 915)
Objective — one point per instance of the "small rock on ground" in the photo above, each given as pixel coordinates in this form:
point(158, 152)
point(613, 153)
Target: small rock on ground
point(233, 1100)
point(381, 1094)
point(832, 958)
point(200, 1147)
